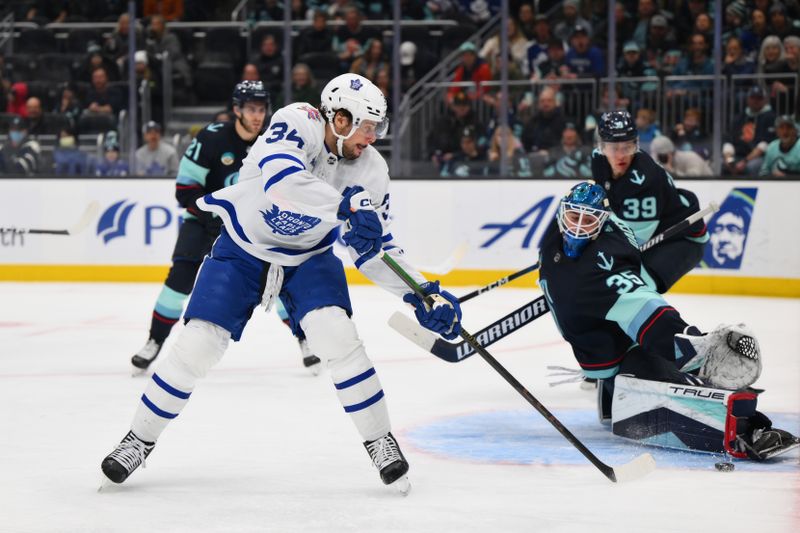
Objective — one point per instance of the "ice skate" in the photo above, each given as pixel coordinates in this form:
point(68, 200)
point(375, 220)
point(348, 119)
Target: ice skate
point(390, 462)
point(126, 457)
point(766, 443)
point(145, 356)
point(310, 361)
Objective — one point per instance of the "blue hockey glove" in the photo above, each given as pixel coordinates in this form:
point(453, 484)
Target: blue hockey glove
point(444, 317)
point(364, 227)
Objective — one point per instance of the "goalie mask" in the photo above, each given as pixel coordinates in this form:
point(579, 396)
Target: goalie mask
point(581, 216)
point(359, 97)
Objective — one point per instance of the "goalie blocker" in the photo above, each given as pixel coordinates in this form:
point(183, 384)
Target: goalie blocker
point(691, 417)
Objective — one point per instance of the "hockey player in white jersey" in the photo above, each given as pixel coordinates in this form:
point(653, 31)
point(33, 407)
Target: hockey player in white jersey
point(312, 171)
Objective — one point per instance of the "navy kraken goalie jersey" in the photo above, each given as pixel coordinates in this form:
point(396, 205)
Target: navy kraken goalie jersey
point(646, 199)
point(604, 302)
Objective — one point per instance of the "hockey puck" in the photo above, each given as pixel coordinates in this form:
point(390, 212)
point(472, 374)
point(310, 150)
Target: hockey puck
point(724, 467)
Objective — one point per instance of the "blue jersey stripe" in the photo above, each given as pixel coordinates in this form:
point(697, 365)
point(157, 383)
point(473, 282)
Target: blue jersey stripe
point(170, 389)
point(156, 410)
point(328, 240)
point(227, 206)
point(363, 405)
point(280, 156)
point(355, 380)
point(288, 171)
point(386, 238)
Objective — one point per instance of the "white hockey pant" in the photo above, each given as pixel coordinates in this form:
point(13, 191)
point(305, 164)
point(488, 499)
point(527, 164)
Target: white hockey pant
point(199, 346)
point(332, 336)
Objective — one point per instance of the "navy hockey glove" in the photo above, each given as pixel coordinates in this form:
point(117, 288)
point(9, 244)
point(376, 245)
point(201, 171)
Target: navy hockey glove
point(444, 317)
point(364, 227)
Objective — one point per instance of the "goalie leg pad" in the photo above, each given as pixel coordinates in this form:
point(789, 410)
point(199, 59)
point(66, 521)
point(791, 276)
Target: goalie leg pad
point(332, 336)
point(728, 357)
point(200, 346)
point(680, 416)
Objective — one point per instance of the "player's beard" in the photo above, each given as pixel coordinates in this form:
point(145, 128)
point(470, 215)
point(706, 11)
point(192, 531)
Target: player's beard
point(349, 152)
point(248, 126)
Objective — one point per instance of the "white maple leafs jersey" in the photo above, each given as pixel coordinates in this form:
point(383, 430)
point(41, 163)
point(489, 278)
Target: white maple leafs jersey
point(283, 210)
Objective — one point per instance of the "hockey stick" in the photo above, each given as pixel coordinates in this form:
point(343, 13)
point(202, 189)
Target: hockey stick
point(86, 218)
point(638, 467)
point(455, 352)
point(499, 283)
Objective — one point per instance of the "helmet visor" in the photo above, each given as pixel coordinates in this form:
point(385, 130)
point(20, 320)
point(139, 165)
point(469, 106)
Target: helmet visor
point(370, 127)
point(580, 221)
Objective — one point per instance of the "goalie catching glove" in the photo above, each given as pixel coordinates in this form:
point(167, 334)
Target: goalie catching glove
point(364, 228)
point(727, 357)
point(444, 317)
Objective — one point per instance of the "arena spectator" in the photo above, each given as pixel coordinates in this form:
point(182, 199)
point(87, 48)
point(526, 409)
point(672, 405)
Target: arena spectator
point(304, 88)
point(736, 62)
point(703, 24)
point(470, 158)
point(266, 10)
point(250, 72)
point(269, 62)
point(734, 26)
point(626, 25)
point(570, 159)
point(679, 163)
point(156, 157)
point(171, 10)
point(783, 154)
point(67, 157)
point(527, 21)
point(352, 29)
point(116, 45)
point(160, 40)
point(697, 63)
point(645, 11)
point(111, 164)
point(37, 125)
point(631, 65)
point(68, 104)
point(543, 131)
point(770, 57)
point(518, 164)
point(750, 134)
point(659, 41)
point(570, 17)
point(318, 38)
point(22, 153)
point(584, 59)
point(471, 68)
point(647, 124)
point(555, 66)
point(96, 59)
point(445, 137)
point(372, 61)
point(414, 64)
point(517, 46)
point(780, 24)
point(757, 29)
point(537, 49)
point(688, 11)
point(103, 99)
point(690, 135)
point(18, 96)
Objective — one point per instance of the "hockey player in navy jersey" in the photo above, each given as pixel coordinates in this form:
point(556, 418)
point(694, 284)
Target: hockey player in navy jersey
point(644, 195)
point(311, 172)
point(605, 304)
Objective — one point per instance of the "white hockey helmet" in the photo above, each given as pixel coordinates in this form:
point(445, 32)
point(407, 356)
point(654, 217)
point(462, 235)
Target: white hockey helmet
point(360, 97)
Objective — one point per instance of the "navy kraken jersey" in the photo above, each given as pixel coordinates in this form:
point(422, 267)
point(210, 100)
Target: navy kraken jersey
point(646, 199)
point(604, 302)
point(211, 162)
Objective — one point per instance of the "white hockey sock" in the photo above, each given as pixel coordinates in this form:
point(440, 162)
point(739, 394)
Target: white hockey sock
point(199, 346)
point(332, 336)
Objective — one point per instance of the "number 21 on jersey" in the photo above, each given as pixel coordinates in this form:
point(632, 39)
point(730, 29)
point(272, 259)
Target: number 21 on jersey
point(278, 132)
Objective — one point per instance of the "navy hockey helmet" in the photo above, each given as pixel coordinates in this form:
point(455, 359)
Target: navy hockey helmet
point(617, 126)
point(581, 216)
point(250, 91)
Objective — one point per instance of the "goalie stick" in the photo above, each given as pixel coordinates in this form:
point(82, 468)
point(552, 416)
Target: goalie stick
point(455, 352)
point(638, 467)
point(87, 216)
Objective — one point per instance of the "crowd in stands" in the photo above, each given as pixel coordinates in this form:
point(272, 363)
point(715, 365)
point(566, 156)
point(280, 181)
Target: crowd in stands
point(75, 85)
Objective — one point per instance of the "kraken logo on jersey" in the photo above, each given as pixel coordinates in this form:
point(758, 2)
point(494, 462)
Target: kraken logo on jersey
point(288, 223)
point(728, 230)
point(228, 158)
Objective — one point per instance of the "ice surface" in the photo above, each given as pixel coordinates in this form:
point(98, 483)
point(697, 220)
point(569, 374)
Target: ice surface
point(264, 446)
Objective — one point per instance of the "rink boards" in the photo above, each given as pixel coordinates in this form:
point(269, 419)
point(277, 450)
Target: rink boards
point(465, 232)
